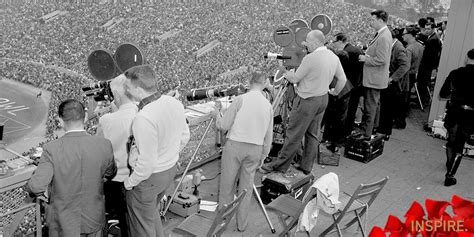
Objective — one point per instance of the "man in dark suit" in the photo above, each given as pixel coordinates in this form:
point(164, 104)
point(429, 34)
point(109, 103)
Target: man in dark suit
point(459, 120)
point(353, 69)
point(336, 111)
point(429, 61)
point(72, 169)
point(391, 100)
point(376, 70)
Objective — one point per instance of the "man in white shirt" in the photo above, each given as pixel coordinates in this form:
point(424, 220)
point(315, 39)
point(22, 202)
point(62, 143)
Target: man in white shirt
point(160, 132)
point(313, 78)
point(249, 122)
point(116, 127)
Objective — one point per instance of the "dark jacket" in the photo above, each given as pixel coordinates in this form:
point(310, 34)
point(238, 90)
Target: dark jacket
point(432, 53)
point(72, 168)
point(458, 86)
point(399, 66)
point(354, 68)
point(344, 58)
point(458, 89)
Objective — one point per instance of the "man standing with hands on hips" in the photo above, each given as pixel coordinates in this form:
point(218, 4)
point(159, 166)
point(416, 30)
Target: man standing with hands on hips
point(160, 132)
point(249, 122)
point(376, 70)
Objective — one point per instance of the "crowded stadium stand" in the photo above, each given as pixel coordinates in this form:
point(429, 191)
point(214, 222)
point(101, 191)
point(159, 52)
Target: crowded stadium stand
point(189, 45)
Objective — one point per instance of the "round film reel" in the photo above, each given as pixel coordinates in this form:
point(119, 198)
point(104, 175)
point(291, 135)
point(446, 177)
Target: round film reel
point(297, 24)
point(127, 56)
point(321, 22)
point(300, 36)
point(102, 65)
point(283, 36)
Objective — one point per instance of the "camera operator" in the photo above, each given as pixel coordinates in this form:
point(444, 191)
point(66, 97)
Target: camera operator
point(116, 127)
point(249, 122)
point(313, 77)
point(459, 119)
point(73, 167)
point(160, 132)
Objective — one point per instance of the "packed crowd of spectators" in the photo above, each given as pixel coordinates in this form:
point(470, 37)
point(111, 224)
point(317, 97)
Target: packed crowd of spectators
point(244, 29)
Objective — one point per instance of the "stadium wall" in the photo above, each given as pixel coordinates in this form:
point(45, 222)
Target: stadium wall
point(459, 39)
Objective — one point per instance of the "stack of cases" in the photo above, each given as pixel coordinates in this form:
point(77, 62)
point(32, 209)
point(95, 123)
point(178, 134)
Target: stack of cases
point(276, 184)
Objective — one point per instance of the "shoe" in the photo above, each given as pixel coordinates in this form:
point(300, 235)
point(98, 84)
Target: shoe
point(400, 125)
point(304, 171)
point(361, 137)
point(449, 181)
point(427, 128)
point(386, 137)
point(332, 148)
point(265, 169)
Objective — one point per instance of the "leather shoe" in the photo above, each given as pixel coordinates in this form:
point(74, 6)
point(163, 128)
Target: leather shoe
point(400, 125)
point(449, 181)
point(265, 169)
point(304, 171)
point(362, 137)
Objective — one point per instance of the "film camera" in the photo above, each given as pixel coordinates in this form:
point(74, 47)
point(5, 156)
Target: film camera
point(291, 38)
point(104, 66)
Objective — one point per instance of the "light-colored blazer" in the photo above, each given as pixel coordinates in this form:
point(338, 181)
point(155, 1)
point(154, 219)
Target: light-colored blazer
point(376, 66)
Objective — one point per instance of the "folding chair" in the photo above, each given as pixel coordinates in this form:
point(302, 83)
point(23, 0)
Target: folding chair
point(200, 225)
point(358, 203)
point(287, 206)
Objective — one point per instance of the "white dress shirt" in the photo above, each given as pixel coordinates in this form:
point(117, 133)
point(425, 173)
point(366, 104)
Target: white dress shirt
point(116, 127)
point(160, 132)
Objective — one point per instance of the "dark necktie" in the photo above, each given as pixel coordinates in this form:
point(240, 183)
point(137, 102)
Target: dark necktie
point(375, 36)
point(373, 39)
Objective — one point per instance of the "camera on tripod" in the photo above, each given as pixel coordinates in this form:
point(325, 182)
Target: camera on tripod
point(291, 39)
point(105, 66)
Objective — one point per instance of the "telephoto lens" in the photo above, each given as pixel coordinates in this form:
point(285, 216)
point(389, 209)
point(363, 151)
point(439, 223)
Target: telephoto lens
point(200, 94)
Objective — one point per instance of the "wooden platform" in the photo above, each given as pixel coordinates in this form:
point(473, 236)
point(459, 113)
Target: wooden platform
point(414, 161)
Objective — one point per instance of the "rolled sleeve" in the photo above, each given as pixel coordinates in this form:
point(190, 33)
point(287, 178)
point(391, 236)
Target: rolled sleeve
point(301, 72)
point(226, 121)
point(145, 134)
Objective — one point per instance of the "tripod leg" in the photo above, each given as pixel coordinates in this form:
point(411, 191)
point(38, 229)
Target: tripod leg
point(418, 96)
point(263, 208)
